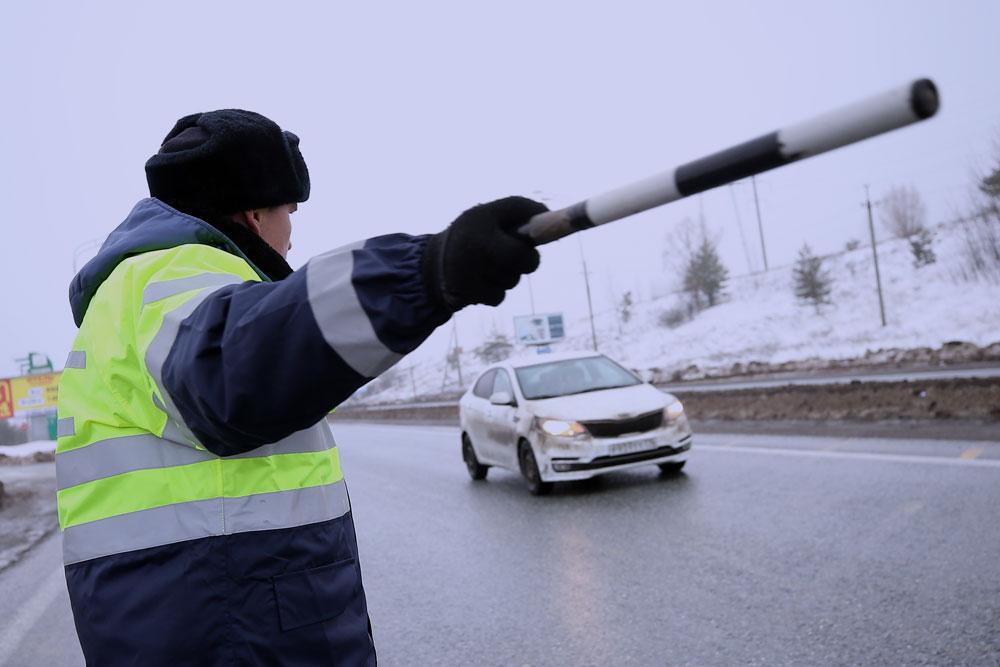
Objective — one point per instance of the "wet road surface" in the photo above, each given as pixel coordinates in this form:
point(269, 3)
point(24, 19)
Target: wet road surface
point(769, 550)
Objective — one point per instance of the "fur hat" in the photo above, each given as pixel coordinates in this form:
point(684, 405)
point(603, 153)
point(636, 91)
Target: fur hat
point(226, 161)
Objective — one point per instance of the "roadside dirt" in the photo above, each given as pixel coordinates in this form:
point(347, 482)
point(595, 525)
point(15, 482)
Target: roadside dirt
point(959, 399)
point(27, 508)
point(951, 353)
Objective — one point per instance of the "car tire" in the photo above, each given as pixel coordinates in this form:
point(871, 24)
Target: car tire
point(477, 471)
point(671, 467)
point(529, 468)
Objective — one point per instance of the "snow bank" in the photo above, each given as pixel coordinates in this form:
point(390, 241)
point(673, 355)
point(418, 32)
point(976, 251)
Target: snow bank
point(760, 320)
point(28, 448)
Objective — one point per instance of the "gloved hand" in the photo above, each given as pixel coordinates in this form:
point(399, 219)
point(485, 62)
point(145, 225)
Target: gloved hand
point(481, 255)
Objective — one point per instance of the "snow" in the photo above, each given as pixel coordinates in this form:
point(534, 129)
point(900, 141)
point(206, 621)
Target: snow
point(28, 448)
point(760, 319)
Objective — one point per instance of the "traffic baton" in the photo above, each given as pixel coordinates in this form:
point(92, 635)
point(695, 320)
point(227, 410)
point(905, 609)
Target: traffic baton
point(862, 120)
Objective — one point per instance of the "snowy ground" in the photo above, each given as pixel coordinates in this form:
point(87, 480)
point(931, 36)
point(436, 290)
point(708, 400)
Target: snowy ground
point(28, 448)
point(760, 319)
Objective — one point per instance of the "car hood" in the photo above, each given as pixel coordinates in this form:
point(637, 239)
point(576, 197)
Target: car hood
point(608, 404)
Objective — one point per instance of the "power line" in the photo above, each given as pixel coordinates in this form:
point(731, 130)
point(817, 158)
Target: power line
point(760, 225)
point(739, 225)
point(590, 304)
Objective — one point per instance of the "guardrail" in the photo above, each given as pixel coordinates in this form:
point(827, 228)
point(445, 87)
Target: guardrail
point(955, 398)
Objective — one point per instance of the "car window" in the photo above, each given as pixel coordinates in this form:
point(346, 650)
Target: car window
point(502, 383)
point(484, 388)
point(572, 376)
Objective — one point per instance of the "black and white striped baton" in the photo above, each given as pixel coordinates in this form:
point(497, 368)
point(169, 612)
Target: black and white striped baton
point(867, 118)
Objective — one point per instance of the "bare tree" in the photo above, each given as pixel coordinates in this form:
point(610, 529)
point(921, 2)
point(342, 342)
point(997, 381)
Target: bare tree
point(681, 245)
point(903, 211)
point(981, 228)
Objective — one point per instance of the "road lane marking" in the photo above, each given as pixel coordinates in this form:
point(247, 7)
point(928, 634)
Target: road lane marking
point(29, 614)
point(971, 453)
point(863, 456)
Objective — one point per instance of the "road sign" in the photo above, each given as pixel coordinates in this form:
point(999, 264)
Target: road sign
point(540, 329)
point(29, 394)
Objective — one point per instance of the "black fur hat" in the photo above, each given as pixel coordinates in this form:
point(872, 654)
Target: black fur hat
point(226, 161)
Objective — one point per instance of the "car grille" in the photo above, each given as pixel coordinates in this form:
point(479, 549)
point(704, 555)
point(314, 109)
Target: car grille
point(615, 428)
point(562, 465)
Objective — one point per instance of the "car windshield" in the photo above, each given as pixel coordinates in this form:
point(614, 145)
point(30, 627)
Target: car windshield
point(572, 376)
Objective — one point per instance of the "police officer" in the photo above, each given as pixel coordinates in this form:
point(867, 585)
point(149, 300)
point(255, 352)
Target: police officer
point(204, 512)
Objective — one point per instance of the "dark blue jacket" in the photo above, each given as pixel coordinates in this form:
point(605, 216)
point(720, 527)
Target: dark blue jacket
point(254, 363)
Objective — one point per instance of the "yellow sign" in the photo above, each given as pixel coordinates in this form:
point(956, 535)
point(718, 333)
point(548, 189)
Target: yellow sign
point(6, 400)
point(33, 393)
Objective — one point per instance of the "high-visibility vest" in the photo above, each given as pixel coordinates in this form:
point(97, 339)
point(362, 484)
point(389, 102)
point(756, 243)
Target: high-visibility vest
point(130, 474)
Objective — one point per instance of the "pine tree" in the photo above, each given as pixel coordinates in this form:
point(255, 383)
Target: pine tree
point(989, 185)
point(625, 307)
point(705, 276)
point(496, 348)
point(922, 247)
point(813, 284)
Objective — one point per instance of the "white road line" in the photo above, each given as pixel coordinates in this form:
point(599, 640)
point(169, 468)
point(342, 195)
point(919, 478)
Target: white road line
point(892, 458)
point(29, 614)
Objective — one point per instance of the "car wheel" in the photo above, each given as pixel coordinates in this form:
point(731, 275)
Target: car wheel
point(671, 467)
point(529, 468)
point(477, 470)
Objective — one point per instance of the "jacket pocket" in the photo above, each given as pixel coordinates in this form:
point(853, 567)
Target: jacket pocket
point(319, 594)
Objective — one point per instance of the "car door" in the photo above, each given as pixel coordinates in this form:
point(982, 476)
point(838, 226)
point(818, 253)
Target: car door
point(503, 423)
point(477, 413)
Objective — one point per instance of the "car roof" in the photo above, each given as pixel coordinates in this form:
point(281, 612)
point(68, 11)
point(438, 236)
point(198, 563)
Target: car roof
point(535, 359)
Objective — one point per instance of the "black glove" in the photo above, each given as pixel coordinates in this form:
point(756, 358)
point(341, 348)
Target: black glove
point(481, 255)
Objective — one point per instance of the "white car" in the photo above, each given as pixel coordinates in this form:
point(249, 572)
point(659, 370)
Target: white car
point(567, 417)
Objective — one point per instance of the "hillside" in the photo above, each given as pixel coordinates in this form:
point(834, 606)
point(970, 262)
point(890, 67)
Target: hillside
point(760, 322)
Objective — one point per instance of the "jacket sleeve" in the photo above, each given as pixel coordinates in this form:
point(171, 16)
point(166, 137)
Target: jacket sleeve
point(250, 363)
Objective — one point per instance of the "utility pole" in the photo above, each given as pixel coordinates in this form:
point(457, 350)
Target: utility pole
point(739, 224)
point(413, 382)
point(878, 277)
point(760, 225)
point(453, 349)
point(531, 294)
point(458, 351)
point(590, 305)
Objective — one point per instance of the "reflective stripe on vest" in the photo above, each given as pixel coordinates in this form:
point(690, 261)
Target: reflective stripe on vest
point(166, 288)
point(203, 518)
point(140, 491)
point(115, 456)
point(159, 348)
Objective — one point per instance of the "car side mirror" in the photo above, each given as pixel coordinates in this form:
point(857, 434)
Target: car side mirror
point(502, 398)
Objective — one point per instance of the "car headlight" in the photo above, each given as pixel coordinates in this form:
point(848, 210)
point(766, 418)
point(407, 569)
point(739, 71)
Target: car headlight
point(673, 411)
point(562, 428)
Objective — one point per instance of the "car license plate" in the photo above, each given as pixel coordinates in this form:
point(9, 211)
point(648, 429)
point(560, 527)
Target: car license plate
point(634, 446)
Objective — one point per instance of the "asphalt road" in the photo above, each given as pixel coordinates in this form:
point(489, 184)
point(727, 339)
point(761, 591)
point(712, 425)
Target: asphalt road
point(770, 550)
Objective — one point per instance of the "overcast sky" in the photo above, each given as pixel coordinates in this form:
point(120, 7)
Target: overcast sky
point(411, 112)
